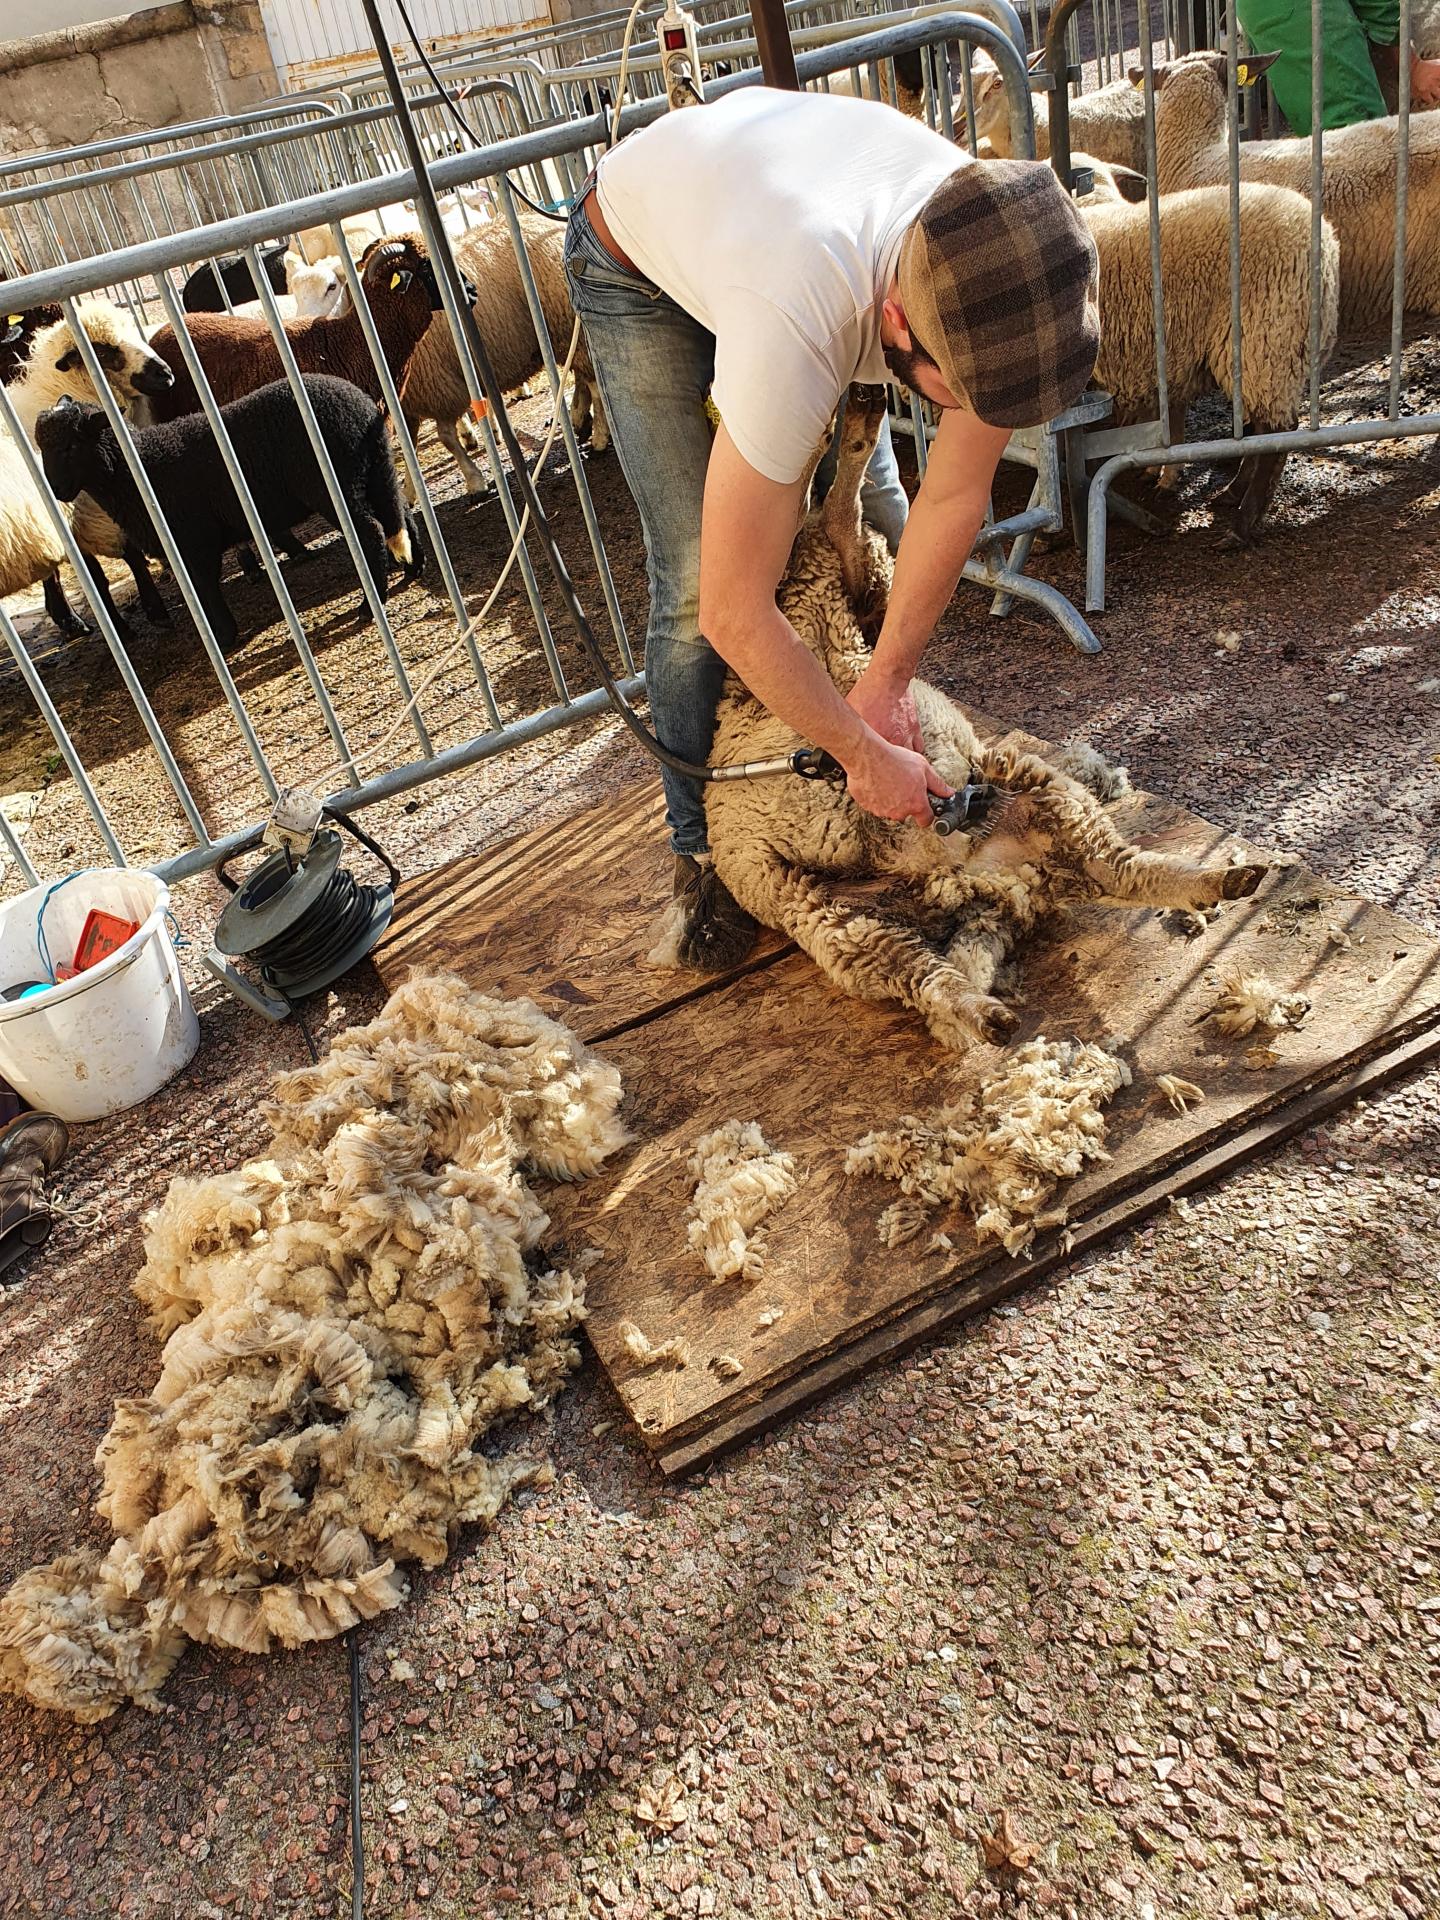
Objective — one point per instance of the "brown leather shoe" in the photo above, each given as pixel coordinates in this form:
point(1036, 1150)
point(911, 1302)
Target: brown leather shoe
point(716, 932)
point(30, 1148)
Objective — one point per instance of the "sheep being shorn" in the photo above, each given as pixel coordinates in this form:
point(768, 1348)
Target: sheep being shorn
point(1358, 194)
point(435, 387)
point(891, 910)
point(239, 353)
point(344, 1323)
point(184, 464)
point(1195, 272)
point(56, 371)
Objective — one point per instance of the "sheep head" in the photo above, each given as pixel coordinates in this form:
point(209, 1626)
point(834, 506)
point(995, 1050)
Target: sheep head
point(1200, 79)
point(77, 446)
point(132, 367)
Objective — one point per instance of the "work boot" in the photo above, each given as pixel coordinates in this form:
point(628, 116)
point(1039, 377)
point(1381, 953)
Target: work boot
point(30, 1148)
point(715, 931)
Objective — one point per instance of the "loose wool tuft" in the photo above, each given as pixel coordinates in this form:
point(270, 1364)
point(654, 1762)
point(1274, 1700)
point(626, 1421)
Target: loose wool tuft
point(671, 1353)
point(344, 1321)
point(739, 1179)
point(1182, 1094)
point(1037, 1120)
point(1249, 1000)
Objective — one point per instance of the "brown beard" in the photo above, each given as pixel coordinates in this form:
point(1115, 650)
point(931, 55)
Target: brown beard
point(902, 362)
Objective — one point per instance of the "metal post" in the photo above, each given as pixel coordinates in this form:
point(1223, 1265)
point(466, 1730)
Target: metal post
point(777, 56)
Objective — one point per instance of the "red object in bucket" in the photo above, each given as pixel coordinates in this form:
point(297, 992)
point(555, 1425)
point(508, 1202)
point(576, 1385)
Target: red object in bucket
point(102, 934)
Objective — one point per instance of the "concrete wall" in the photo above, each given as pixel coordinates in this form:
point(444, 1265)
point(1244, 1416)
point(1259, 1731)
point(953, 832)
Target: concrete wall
point(153, 68)
point(26, 17)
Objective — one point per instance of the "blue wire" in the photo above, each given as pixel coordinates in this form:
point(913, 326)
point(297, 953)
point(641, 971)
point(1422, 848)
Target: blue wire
point(40, 939)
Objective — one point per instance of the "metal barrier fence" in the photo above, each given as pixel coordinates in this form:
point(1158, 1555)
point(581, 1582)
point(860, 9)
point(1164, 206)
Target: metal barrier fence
point(328, 723)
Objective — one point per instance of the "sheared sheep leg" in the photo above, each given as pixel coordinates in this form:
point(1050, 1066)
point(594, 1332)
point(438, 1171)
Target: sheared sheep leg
point(1116, 873)
point(872, 954)
point(474, 478)
point(841, 514)
point(67, 621)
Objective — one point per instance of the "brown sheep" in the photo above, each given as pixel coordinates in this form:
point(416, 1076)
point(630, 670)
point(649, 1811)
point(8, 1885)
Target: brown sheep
point(803, 858)
point(240, 354)
point(434, 385)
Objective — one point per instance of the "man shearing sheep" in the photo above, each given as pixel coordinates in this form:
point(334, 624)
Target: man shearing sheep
point(772, 248)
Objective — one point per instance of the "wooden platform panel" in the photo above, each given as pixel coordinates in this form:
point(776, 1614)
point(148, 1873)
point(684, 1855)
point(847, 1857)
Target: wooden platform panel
point(816, 1070)
point(565, 915)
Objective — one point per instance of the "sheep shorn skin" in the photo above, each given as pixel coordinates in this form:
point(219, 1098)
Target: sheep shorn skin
point(1358, 195)
point(804, 859)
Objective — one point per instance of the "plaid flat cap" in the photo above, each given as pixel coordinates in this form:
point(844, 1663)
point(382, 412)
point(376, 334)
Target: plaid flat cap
point(999, 280)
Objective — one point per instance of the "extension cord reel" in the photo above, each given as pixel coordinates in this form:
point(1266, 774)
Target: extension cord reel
point(299, 917)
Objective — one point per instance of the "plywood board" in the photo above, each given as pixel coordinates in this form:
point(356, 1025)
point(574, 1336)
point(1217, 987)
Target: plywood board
point(817, 1069)
point(566, 915)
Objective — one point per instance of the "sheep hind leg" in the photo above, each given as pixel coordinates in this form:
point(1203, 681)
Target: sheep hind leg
point(875, 955)
point(1250, 493)
point(150, 597)
point(472, 475)
point(67, 622)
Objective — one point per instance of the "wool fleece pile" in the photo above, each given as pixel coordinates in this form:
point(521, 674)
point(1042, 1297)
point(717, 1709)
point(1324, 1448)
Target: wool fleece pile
point(344, 1321)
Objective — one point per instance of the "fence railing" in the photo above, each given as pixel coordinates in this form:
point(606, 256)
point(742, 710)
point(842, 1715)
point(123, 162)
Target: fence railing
point(366, 737)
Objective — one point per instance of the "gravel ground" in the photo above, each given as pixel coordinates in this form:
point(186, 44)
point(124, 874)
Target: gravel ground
point(1145, 1563)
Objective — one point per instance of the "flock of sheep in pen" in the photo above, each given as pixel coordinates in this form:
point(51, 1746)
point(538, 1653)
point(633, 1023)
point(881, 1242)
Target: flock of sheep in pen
point(41, 365)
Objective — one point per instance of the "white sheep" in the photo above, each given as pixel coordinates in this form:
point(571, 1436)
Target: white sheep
point(803, 858)
point(1109, 123)
point(1358, 192)
point(54, 370)
point(1195, 273)
point(312, 289)
point(469, 207)
point(30, 546)
point(434, 386)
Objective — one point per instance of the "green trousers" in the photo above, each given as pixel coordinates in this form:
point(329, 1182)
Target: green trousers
point(1347, 28)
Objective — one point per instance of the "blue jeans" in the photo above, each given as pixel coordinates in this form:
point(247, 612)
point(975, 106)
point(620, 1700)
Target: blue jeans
point(654, 364)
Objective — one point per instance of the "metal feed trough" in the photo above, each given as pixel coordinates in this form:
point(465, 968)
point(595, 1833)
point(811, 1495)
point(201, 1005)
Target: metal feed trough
point(415, 756)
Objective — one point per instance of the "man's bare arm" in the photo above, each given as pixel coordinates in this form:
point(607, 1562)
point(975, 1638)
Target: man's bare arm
point(946, 516)
point(746, 534)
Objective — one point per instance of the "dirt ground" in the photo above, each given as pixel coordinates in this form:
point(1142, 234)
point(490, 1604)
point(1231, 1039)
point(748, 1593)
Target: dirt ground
point(1147, 1561)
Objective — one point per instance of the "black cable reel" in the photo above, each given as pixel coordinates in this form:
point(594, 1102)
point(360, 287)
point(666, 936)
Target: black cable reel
point(300, 918)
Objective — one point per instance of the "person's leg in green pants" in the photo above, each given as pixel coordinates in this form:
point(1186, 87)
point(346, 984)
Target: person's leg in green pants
point(1352, 91)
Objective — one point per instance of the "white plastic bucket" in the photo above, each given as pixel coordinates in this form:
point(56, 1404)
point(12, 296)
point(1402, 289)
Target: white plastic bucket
point(114, 1034)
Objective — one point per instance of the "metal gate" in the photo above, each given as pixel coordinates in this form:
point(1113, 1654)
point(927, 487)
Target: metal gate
point(366, 736)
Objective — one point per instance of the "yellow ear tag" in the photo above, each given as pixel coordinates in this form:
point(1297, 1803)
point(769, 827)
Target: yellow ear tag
point(394, 281)
point(1243, 76)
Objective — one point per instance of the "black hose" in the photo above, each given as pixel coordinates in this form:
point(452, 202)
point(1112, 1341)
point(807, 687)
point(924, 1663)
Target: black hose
point(357, 1844)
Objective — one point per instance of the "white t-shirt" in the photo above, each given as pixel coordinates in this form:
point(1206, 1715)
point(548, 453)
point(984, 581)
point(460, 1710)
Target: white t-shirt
point(775, 220)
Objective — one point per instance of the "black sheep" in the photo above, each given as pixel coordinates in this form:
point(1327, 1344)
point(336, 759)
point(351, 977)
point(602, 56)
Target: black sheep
point(201, 291)
point(184, 464)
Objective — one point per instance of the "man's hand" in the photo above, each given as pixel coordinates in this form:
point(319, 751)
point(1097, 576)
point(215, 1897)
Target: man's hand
point(891, 781)
point(887, 705)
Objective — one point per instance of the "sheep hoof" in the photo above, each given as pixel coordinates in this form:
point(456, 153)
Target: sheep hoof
point(1235, 540)
point(997, 1022)
point(1241, 882)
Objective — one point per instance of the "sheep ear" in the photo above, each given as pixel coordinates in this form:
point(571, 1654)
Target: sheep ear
point(1136, 77)
point(69, 360)
point(1133, 186)
point(1249, 70)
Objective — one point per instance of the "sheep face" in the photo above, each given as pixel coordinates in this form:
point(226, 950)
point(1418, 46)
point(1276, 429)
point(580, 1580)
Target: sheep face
point(1194, 87)
point(76, 445)
point(402, 269)
point(132, 368)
